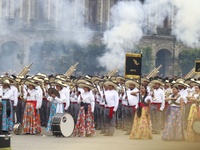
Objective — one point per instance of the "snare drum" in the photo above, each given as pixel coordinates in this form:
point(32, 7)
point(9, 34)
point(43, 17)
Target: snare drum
point(62, 124)
point(196, 126)
point(17, 129)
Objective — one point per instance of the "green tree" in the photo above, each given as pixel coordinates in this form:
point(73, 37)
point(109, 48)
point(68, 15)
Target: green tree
point(187, 59)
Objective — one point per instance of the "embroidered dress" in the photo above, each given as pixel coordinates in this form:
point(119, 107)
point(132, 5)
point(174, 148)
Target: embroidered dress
point(85, 123)
point(141, 128)
point(7, 115)
point(193, 115)
point(52, 113)
point(173, 130)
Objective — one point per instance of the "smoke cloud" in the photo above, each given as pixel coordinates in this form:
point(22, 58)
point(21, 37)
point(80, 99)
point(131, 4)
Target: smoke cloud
point(131, 20)
point(126, 31)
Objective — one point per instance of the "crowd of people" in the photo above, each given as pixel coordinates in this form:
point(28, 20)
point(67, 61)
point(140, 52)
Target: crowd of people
point(139, 107)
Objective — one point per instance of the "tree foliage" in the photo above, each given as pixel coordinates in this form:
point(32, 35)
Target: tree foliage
point(187, 59)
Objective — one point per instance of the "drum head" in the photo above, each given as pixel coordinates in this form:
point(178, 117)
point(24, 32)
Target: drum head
point(196, 126)
point(67, 125)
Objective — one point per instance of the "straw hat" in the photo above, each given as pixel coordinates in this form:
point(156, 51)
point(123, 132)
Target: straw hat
point(128, 82)
point(144, 80)
point(40, 75)
point(111, 83)
point(58, 82)
point(88, 85)
point(181, 83)
point(6, 82)
point(156, 82)
point(119, 78)
point(30, 82)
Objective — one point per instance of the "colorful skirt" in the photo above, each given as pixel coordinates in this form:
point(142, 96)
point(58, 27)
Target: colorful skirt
point(85, 123)
point(142, 126)
point(52, 113)
point(31, 119)
point(7, 115)
point(191, 136)
point(173, 130)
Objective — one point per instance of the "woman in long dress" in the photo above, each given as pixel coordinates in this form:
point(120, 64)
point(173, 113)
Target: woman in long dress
point(7, 115)
point(194, 114)
point(173, 130)
point(31, 119)
point(142, 127)
point(85, 122)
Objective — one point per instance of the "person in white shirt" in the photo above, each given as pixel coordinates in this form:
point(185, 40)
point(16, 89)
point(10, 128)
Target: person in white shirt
point(5, 97)
point(132, 97)
point(157, 106)
point(31, 118)
point(111, 98)
point(85, 123)
point(56, 100)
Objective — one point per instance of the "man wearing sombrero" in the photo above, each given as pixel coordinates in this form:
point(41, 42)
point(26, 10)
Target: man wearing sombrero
point(131, 96)
point(157, 106)
point(111, 104)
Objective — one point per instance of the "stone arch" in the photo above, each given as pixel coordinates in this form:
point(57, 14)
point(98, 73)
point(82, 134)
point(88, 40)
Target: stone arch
point(164, 57)
point(11, 56)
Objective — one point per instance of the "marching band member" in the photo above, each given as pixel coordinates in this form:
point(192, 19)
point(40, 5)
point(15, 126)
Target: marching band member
point(132, 97)
point(85, 122)
point(142, 125)
point(5, 96)
point(57, 105)
point(111, 104)
point(31, 118)
point(193, 115)
point(173, 130)
point(157, 106)
point(120, 80)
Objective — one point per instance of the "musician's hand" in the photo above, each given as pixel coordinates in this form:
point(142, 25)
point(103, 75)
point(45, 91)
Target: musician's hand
point(28, 94)
point(104, 96)
point(53, 95)
point(126, 97)
point(122, 93)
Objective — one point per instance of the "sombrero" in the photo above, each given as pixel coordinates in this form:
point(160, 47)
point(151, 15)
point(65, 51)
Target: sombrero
point(119, 78)
point(40, 75)
point(181, 83)
point(156, 82)
point(88, 85)
point(30, 82)
point(58, 82)
point(108, 82)
point(6, 82)
point(128, 82)
point(53, 90)
point(144, 80)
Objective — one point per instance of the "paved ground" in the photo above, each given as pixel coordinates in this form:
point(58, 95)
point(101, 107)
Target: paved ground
point(118, 142)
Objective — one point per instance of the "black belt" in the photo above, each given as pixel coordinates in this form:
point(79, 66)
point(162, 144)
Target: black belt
point(85, 105)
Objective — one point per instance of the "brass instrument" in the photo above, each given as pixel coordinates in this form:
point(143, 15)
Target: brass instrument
point(112, 72)
point(71, 70)
point(25, 70)
point(190, 74)
point(154, 72)
point(197, 76)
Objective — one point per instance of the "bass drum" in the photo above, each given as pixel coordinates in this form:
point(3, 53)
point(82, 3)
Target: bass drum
point(62, 125)
point(196, 126)
point(17, 129)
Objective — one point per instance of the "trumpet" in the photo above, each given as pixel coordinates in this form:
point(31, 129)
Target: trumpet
point(154, 72)
point(71, 70)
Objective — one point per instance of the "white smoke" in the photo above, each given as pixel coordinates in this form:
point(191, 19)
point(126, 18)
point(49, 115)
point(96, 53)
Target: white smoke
point(187, 22)
point(127, 19)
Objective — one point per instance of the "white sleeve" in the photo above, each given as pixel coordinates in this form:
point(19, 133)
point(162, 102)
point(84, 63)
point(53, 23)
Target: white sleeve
point(92, 103)
point(49, 98)
point(39, 100)
point(163, 101)
point(116, 101)
point(67, 99)
point(15, 96)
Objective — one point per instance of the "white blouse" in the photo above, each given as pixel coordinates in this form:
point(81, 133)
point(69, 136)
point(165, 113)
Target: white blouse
point(87, 97)
point(34, 96)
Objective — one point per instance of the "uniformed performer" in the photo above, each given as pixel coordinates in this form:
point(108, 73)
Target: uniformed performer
point(111, 104)
point(132, 97)
point(157, 106)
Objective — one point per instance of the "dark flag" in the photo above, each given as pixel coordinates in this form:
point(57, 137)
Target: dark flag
point(197, 66)
point(133, 65)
